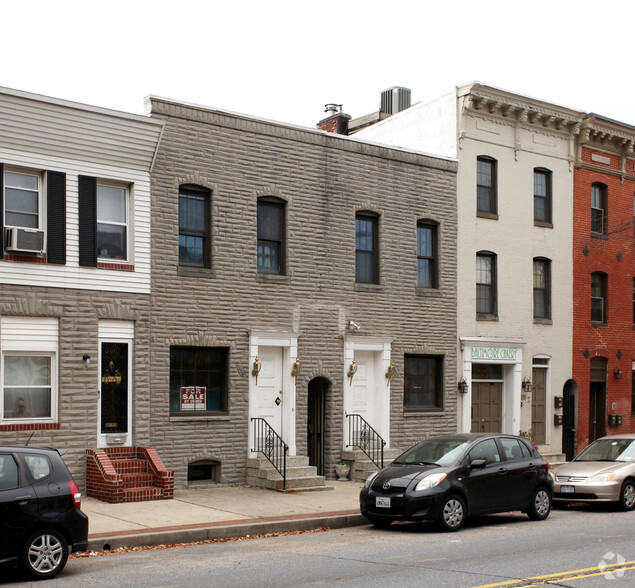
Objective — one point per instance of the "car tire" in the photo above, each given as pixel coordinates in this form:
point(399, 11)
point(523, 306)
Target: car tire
point(627, 495)
point(44, 554)
point(540, 505)
point(380, 523)
point(453, 513)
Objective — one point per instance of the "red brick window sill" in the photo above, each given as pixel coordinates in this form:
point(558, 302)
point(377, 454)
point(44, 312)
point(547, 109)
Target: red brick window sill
point(24, 258)
point(127, 267)
point(30, 427)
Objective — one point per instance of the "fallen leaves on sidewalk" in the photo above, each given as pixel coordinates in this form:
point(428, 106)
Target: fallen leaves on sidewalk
point(204, 542)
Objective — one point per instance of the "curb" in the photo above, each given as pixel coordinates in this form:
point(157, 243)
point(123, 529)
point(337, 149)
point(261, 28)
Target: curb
point(222, 530)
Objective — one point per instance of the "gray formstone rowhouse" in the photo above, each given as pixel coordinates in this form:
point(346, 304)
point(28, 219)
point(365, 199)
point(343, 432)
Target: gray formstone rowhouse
point(275, 246)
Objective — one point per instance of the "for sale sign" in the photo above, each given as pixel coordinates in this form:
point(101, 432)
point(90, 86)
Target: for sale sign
point(193, 398)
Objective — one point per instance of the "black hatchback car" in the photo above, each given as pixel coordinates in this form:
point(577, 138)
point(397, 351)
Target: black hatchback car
point(446, 479)
point(40, 516)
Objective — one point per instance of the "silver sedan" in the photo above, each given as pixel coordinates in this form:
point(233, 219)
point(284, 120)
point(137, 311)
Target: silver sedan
point(603, 472)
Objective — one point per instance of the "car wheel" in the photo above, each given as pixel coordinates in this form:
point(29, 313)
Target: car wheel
point(44, 554)
point(540, 505)
point(627, 495)
point(453, 513)
point(380, 523)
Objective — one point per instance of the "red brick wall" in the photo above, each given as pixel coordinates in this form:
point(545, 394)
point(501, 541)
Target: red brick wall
point(603, 254)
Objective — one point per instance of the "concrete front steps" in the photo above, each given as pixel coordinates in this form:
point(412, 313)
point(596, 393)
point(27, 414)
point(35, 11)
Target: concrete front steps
point(301, 477)
point(362, 466)
point(553, 459)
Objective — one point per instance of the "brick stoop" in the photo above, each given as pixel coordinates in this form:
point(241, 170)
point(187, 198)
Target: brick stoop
point(127, 474)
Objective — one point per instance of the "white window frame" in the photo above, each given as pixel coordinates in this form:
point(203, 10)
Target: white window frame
point(31, 336)
point(127, 224)
point(40, 201)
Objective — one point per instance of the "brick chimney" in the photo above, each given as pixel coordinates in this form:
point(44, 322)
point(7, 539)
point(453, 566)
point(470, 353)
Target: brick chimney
point(336, 121)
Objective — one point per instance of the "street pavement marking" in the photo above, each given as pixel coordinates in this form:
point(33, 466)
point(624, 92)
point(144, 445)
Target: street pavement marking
point(563, 576)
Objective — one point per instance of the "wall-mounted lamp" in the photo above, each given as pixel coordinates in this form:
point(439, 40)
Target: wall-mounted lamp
point(256, 369)
point(390, 372)
point(463, 386)
point(352, 370)
point(527, 384)
point(353, 326)
point(86, 358)
point(295, 368)
point(618, 374)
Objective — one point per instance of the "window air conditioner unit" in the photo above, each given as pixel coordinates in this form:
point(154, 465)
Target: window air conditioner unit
point(25, 240)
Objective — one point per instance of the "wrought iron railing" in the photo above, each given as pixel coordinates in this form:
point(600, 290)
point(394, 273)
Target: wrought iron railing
point(362, 435)
point(271, 445)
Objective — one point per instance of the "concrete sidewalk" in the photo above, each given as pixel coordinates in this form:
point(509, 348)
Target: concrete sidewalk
point(198, 514)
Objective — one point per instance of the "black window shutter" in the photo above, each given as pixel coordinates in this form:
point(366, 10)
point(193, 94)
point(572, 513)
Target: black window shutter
point(56, 217)
point(2, 210)
point(87, 221)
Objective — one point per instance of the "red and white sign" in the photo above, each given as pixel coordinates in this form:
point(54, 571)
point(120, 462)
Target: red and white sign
point(193, 398)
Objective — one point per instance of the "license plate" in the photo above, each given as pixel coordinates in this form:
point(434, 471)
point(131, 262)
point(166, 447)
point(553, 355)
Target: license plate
point(381, 502)
point(567, 489)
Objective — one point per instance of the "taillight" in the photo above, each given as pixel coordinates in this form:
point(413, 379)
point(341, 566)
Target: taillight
point(75, 493)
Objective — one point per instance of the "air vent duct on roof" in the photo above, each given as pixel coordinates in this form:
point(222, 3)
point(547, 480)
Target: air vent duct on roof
point(394, 100)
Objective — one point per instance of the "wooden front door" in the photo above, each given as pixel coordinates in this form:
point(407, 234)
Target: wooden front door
point(539, 406)
point(487, 402)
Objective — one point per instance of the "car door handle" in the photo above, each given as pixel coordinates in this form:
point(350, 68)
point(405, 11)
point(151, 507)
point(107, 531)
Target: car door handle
point(532, 466)
point(502, 471)
point(23, 499)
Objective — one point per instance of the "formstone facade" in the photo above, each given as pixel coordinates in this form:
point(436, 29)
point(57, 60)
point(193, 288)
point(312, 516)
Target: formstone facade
point(215, 296)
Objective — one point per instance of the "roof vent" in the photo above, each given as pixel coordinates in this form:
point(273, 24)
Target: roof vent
point(394, 100)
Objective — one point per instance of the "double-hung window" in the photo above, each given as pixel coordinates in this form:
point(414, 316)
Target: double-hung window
point(598, 297)
point(427, 255)
point(22, 200)
point(194, 229)
point(29, 370)
point(542, 196)
point(423, 382)
point(542, 288)
point(486, 187)
point(366, 248)
point(599, 209)
point(486, 306)
point(271, 236)
point(112, 222)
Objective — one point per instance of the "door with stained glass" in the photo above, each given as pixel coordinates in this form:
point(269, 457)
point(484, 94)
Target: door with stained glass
point(114, 394)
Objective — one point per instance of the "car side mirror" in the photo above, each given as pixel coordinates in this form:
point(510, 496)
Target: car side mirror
point(478, 464)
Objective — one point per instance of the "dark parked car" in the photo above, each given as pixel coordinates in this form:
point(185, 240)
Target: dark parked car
point(446, 479)
point(40, 516)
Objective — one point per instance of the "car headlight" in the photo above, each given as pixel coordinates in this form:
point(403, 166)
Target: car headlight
point(370, 479)
point(603, 477)
point(430, 482)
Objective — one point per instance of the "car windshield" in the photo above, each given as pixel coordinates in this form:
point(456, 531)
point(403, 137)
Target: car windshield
point(441, 452)
point(609, 450)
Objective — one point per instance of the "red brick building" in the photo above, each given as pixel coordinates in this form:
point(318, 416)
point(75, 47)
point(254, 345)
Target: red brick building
point(600, 402)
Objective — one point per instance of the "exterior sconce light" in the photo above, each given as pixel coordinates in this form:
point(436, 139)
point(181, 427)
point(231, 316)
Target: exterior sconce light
point(256, 370)
point(463, 386)
point(390, 372)
point(527, 384)
point(295, 368)
point(353, 326)
point(352, 370)
point(86, 358)
point(618, 374)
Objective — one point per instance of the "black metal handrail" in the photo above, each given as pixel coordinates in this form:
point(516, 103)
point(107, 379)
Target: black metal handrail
point(271, 445)
point(362, 435)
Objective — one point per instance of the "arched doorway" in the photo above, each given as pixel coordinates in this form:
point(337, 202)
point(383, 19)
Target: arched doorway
point(569, 426)
point(316, 423)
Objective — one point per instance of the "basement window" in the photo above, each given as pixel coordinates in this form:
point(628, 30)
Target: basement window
point(207, 470)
